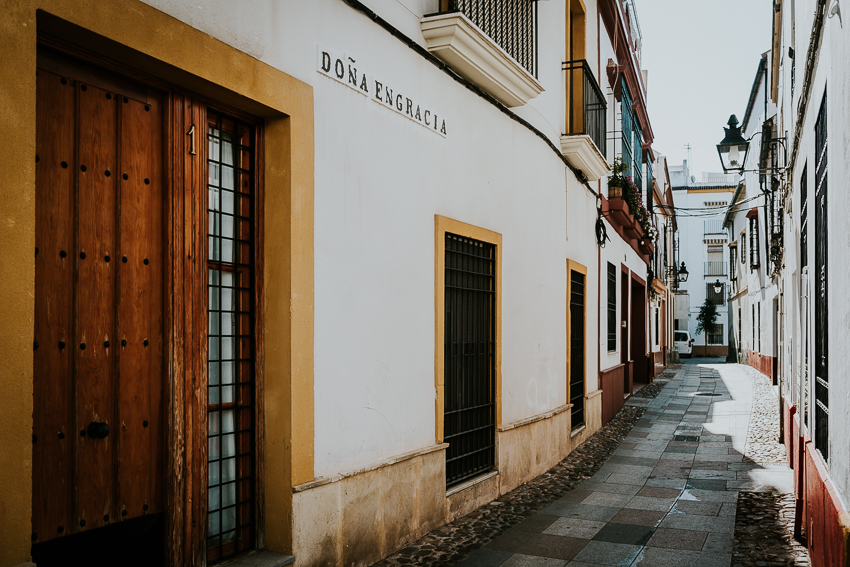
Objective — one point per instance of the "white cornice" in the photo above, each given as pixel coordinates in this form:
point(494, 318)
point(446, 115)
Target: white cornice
point(583, 154)
point(465, 48)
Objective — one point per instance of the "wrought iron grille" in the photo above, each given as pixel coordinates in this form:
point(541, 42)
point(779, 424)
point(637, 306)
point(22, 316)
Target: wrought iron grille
point(713, 227)
point(821, 290)
point(637, 156)
point(716, 297)
point(804, 217)
point(612, 307)
point(577, 347)
point(588, 111)
point(715, 268)
point(733, 263)
point(754, 242)
point(470, 358)
point(650, 202)
point(230, 264)
point(715, 337)
point(512, 24)
point(626, 126)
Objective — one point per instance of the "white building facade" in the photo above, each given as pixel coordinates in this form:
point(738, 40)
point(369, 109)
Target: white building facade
point(702, 246)
point(809, 251)
point(423, 320)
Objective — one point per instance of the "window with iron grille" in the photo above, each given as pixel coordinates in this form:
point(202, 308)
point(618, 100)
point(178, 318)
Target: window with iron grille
point(230, 396)
point(743, 246)
point(715, 297)
point(577, 347)
point(612, 307)
point(632, 137)
point(821, 291)
point(637, 156)
point(754, 242)
point(649, 199)
point(716, 336)
point(626, 129)
point(512, 24)
point(470, 367)
point(657, 326)
point(804, 217)
point(753, 346)
point(733, 263)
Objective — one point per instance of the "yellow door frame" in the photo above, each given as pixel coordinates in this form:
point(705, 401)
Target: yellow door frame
point(152, 42)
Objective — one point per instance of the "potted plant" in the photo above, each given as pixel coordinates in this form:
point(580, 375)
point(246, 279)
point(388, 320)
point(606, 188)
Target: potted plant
point(616, 181)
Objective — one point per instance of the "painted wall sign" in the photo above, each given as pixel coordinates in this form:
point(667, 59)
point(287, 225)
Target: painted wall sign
point(346, 70)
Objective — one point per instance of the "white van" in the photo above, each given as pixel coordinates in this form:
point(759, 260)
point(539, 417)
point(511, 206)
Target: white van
point(683, 343)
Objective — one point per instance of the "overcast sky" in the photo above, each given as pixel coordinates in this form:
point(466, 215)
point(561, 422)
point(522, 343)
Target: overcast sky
point(702, 57)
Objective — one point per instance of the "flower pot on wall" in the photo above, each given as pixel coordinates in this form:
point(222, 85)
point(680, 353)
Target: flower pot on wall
point(615, 192)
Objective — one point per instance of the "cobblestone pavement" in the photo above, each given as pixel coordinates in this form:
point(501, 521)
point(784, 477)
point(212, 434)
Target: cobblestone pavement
point(764, 523)
point(453, 542)
point(672, 480)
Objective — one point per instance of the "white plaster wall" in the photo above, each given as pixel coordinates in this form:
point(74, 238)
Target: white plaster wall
point(692, 251)
point(837, 48)
point(619, 253)
point(830, 78)
point(380, 179)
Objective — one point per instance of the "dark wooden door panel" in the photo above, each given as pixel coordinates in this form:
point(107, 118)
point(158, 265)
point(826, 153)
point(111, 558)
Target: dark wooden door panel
point(140, 309)
point(53, 417)
point(96, 303)
point(99, 303)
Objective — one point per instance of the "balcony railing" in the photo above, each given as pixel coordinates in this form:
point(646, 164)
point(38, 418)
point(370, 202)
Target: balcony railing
point(713, 227)
point(512, 24)
point(587, 110)
point(715, 268)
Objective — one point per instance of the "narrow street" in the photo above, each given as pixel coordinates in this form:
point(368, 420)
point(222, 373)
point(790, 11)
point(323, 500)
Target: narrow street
point(699, 480)
point(425, 282)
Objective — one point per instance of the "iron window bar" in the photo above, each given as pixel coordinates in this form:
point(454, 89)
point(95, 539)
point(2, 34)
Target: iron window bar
point(612, 307)
point(626, 126)
point(716, 298)
point(577, 348)
point(512, 24)
point(715, 268)
point(231, 359)
point(588, 109)
point(713, 227)
point(821, 285)
point(469, 417)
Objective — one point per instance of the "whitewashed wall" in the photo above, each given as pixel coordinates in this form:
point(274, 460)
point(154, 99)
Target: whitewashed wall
point(380, 179)
point(830, 78)
point(618, 253)
point(692, 251)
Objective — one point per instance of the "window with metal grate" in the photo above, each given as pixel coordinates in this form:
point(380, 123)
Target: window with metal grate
point(512, 24)
point(612, 307)
point(577, 347)
point(821, 289)
point(470, 362)
point(230, 264)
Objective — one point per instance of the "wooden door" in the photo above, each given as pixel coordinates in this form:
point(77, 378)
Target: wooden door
point(640, 367)
point(624, 329)
point(98, 345)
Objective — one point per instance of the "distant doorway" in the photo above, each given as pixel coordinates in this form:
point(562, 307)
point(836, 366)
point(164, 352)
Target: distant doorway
point(640, 360)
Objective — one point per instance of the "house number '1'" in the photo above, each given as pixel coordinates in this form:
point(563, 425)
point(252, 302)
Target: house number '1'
point(191, 133)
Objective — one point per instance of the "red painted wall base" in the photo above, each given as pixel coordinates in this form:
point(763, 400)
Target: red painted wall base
point(763, 363)
point(818, 508)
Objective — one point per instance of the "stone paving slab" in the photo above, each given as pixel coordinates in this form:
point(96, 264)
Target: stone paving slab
point(666, 491)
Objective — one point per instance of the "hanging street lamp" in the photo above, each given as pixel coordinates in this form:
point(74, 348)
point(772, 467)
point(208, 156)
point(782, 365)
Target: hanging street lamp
point(733, 149)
